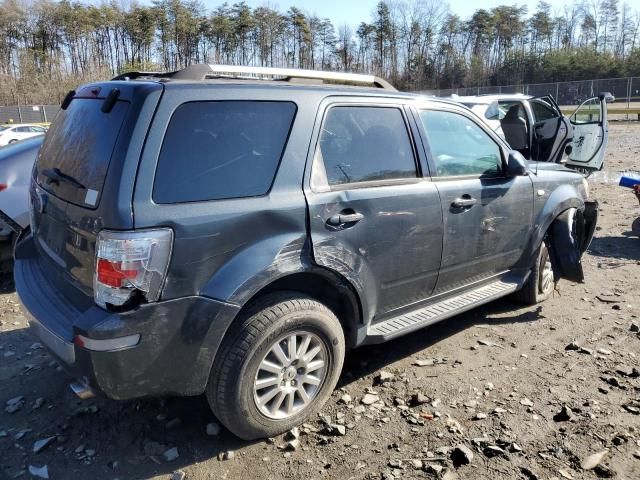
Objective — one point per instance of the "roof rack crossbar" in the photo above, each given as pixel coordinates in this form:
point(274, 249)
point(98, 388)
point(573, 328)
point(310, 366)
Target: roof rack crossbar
point(203, 71)
point(288, 73)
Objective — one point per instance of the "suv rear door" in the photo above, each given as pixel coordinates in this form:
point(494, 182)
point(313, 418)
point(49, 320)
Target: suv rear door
point(590, 133)
point(372, 215)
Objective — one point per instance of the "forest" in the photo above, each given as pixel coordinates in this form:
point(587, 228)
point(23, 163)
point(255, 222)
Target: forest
point(48, 47)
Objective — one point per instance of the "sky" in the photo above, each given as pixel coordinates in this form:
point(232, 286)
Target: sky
point(352, 12)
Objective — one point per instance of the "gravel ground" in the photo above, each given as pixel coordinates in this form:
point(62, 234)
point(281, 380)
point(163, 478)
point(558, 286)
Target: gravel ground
point(501, 392)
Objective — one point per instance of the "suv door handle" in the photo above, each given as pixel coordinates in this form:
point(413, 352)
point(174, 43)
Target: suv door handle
point(464, 202)
point(344, 218)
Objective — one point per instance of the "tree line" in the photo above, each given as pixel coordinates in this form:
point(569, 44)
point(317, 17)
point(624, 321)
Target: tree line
point(48, 47)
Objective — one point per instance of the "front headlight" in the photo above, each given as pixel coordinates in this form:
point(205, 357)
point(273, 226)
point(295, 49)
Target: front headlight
point(585, 186)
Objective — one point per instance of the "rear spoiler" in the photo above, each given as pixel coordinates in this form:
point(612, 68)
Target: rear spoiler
point(9, 221)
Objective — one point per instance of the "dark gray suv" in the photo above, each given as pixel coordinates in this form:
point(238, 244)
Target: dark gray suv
point(234, 231)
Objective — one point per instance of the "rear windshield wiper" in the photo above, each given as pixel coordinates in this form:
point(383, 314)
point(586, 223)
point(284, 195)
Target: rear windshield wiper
point(54, 175)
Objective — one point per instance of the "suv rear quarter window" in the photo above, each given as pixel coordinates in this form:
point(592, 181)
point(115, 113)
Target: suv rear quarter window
point(222, 149)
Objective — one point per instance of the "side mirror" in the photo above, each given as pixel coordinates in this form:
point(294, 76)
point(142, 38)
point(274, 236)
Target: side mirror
point(607, 97)
point(517, 165)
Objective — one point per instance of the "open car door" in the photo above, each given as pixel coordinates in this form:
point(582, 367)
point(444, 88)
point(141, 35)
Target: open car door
point(590, 134)
point(550, 129)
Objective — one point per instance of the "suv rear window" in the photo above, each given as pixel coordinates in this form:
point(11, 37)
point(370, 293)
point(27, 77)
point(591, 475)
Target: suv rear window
point(79, 145)
point(222, 149)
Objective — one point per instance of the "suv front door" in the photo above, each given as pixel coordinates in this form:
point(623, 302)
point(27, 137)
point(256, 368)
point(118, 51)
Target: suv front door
point(373, 218)
point(487, 215)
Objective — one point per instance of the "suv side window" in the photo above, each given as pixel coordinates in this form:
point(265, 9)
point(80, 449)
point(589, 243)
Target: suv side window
point(459, 146)
point(219, 150)
point(542, 110)
point(364, 144)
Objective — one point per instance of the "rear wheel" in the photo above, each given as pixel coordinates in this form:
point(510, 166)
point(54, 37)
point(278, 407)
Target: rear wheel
point(277, 366)
point(540, 283)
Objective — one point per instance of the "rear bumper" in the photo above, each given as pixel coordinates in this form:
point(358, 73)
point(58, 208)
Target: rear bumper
point(178, 338)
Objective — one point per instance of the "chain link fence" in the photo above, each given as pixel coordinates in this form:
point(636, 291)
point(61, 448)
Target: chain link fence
point(626, 90)
point(28, 113)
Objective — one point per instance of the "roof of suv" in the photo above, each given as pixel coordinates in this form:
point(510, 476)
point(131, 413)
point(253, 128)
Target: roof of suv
point(274, 78)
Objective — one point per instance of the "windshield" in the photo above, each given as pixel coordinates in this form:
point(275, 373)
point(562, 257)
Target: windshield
point(75, 156)
point(4, 127)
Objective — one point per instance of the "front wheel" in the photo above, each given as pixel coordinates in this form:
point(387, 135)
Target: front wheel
point(277, 366)
point(540, 283)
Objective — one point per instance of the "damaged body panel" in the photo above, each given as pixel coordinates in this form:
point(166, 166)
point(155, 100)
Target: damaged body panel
point(388, 271)
point(190, 328)
point(268, 231)
point(569, 238)
point(565, 218)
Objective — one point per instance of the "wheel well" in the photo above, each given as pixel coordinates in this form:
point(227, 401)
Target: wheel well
point(326, 287)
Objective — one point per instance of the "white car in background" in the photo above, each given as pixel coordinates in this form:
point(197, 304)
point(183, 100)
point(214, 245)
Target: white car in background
point(16, 163)
point(537, 128)
point(14, 132)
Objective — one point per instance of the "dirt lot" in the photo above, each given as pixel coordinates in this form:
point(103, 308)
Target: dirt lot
point(499, 381)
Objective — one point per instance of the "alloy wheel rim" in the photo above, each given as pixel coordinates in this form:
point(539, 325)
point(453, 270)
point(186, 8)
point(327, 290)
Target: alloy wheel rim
point(290, 375)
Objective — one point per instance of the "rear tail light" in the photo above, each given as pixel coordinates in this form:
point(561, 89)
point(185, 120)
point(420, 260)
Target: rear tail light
point(3, 186)
point(129, 262)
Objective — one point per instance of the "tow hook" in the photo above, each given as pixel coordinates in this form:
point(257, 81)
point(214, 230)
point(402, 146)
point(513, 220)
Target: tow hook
point(81, 389)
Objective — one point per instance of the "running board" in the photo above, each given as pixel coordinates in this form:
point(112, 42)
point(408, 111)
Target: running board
point(448, 307)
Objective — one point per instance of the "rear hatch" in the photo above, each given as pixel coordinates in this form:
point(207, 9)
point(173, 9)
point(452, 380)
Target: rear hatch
point(85, 172)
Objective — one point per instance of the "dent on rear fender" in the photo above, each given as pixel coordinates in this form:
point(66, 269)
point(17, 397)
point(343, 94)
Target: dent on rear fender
point(329, 252)
point(254, 267)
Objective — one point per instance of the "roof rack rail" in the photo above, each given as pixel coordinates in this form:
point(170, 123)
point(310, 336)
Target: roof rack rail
point(204, 71)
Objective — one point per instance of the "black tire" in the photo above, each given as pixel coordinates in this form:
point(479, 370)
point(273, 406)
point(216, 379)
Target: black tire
point(7, 247)
point(537, 288)
point(635, 226)
point(230, 390)
point(12, 141)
